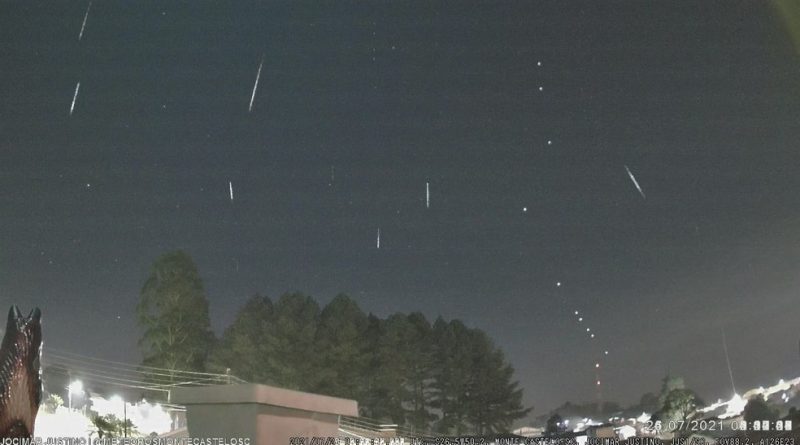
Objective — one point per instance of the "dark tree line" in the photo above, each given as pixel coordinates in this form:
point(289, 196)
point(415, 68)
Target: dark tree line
point(441, 376)
point(403, 369)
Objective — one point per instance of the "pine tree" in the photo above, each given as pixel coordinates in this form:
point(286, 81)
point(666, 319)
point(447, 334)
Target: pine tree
point(243, 348)
point(341, 349)
point(495, 399)
point(473, 384)
point(290, 343)
point(173, 311)
point(420, 358)
point(451, 376)
point(374, 401)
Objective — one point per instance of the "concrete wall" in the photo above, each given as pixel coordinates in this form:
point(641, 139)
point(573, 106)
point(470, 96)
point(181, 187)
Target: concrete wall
point(227, 421)
point(264, 414)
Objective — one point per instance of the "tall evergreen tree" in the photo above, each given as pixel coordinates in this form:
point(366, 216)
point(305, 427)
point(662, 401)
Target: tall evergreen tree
point(451, 375)
point(375, 400)
point(393, 364)
point(341, 349)
point(473, 385)
point(244, 347)
point(495, 400)
point(173, 311)
point(273, 343)
point(402, 358)
point(290, 342)
point(420, 358)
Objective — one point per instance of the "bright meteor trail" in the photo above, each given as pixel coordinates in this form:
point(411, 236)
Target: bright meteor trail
point(74, 98)
point(255, 86)
point(635, 182)
point(85, 16)
point(428, 195)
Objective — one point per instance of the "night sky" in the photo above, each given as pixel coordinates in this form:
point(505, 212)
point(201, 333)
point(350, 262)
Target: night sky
point(358, 105)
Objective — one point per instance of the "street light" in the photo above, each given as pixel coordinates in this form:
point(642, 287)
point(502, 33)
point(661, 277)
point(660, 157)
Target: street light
point(75, 387)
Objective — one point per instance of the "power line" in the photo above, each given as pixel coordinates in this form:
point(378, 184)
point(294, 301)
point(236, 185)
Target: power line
point(112, 379)
point(139, 368)
point(117, 370)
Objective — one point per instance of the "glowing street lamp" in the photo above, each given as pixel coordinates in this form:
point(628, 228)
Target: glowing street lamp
point(75, 387)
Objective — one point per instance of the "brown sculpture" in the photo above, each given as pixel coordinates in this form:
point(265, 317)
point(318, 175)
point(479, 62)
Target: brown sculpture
point(20, 376)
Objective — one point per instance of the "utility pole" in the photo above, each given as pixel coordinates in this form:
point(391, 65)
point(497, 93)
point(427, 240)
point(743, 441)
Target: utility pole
point(125, 416)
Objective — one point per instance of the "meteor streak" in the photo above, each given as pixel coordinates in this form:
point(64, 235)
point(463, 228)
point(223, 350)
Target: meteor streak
point(635, 183)
point(255, 86)
point(427, 195)
point(83, 25)
point(74, 98)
